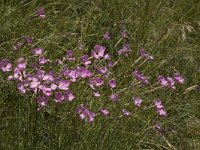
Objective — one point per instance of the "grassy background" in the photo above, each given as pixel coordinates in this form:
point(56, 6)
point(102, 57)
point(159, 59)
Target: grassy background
point(170, 30)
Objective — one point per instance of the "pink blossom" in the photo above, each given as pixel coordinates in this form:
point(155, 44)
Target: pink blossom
point(69, 96)
point(112, 84)
point(41, 12)
point(137, 101)
point(37, 51)
point(5, 65)
point(178, 78)
point(114, 97)
point(42, 101)
point(106, 36)
point(96, 94)
point(59, 97)
point(21, 88)
point(98, 51)
point(104, 112)
point(145, 55)
point(64, 85)
point(125, 112)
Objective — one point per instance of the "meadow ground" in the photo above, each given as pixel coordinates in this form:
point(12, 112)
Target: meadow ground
point(169, 30)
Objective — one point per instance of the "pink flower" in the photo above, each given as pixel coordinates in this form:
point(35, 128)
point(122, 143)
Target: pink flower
point(125, 112)
point(37, 51)
point(69, 96)
point(10, 77)
point(42, 60)
point(125, 50)
point(64, 85)
point(104, 112)
point(47, 91)
point(85, 60)
point(145, 55)
point(69, 55)
point(34, 84)
point(171, 82)
point(5, 65)
point(162, 80)
point(85, 73)
point(124, 34)
point(49, 77)
point(158, 104)
point(53, 86)
point(59, 97)
point(29, 40)
point(106, 36)
point(160, 108)
point(21, 88)
point(106, 56)
point(96, 82)
point(17, 46)
point(41, 13)
point(178, 78)
point(114, 97)
point(96, 94)
point(157, 126)
point(21, 63)
point(112, 84)
point(139, 76)
point(84, 113)
point(102, 70)
point(162, 112)
point(137, 101)
point(42, 101)
point(98, 52)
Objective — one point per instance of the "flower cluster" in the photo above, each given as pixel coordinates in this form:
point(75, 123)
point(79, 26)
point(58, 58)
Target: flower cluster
point(170, 81)
point(94, 68)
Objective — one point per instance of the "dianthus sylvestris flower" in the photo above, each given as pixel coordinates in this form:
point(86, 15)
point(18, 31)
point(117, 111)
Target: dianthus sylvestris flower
point(37, 51)
point(178, 78)
point(125, 112)
point(5, 65)
point(160, 107)
point(98, 51)
point(41, 13)
point(104, 112)
point(114, 97)
point(145, 55)
point(112, 84)
point(64, 85)
point(84, 113)
point(137, 101)
point(106, 36)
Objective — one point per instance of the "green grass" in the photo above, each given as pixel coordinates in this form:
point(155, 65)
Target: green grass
point(170, 30)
